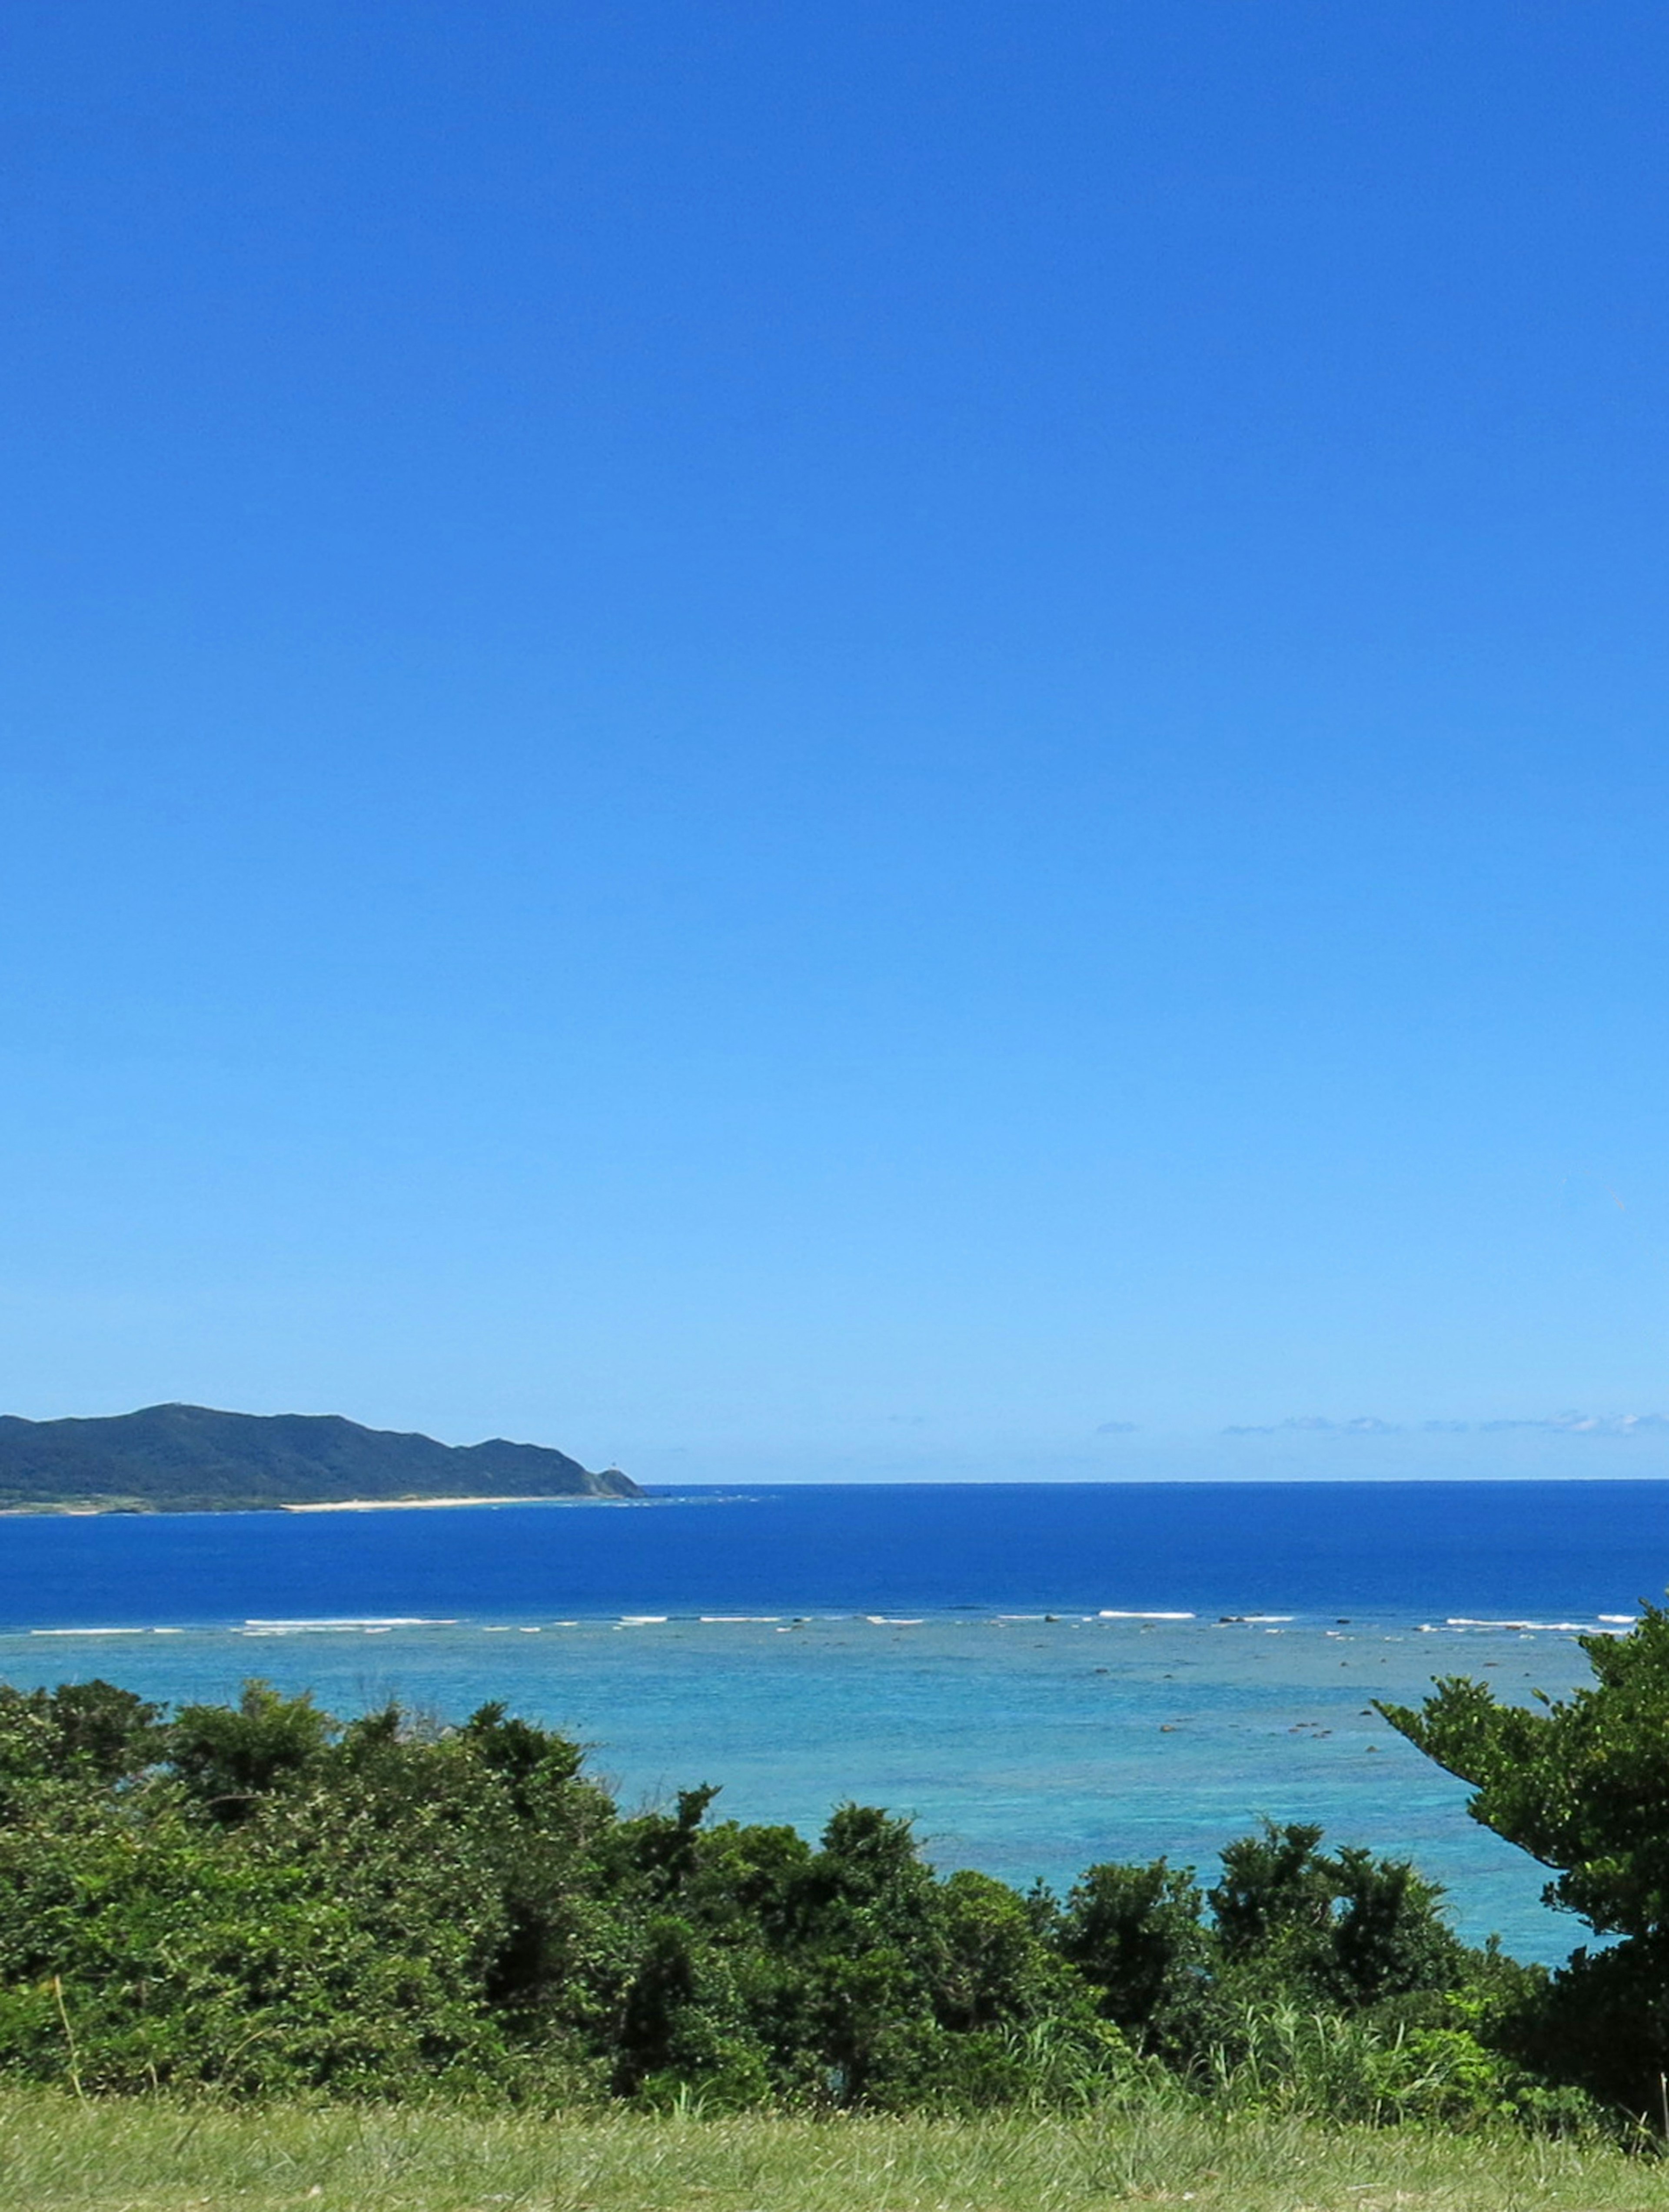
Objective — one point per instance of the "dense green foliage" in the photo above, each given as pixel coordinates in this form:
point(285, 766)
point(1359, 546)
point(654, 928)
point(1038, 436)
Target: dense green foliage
point(1583, 1786)
point(261, 1900)
point(193, 1459)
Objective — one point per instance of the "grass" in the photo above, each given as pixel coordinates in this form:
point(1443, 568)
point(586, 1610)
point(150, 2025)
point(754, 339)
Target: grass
point(59, 2156)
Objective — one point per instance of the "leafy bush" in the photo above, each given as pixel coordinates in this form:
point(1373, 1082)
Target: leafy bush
point(256, 1899)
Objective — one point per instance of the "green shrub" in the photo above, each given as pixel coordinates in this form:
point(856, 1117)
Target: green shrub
point(259, 1901)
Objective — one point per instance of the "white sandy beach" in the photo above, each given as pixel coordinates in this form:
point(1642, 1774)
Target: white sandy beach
point(405, 1504)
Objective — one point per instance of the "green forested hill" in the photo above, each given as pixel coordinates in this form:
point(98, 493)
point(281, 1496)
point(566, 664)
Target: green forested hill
point(192, 1459)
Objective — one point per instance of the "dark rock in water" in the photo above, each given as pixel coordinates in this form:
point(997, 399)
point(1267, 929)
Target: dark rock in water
point(185, 1458)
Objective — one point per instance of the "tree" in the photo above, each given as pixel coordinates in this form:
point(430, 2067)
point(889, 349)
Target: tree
point(230, 1757)
point(1583, 1786)
point(1137, 1936)
point(1345, 1930)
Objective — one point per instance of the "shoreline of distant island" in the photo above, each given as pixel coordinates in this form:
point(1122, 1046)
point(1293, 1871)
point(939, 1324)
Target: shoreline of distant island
point(88, 1508)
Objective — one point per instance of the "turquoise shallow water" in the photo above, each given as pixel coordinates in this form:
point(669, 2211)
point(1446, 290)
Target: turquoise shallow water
point(1026, 1746)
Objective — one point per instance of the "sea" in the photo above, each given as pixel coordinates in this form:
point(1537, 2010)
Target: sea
point(1043, 1676)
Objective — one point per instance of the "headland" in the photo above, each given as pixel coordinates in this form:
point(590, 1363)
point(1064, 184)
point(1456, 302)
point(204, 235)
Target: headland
point(194, 1459)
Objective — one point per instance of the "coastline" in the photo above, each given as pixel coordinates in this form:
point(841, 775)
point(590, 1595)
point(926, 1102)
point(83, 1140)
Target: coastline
point(85, 1508)
point(403, 1505)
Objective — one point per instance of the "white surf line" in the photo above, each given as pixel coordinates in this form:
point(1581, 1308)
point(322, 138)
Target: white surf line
point(345, 1625)
point(1525, 1627)
point(738, 1620)
point(1113, 1613)
point(95, 1631)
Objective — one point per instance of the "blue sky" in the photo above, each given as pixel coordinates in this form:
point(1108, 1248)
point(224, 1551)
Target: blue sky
point(841, 741)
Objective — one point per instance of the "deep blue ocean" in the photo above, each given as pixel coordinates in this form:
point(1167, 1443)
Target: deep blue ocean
point(1565, 1548)
point(1043, 1675)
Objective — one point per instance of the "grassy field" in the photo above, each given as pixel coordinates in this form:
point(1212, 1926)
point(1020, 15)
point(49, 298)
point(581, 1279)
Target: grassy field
point(56, 2154)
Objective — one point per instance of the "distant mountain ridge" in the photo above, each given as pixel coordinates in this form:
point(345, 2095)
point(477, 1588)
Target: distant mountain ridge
point(184, 1459)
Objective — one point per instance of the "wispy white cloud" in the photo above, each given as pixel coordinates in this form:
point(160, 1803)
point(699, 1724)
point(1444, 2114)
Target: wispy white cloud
point(1116, 1429)
point(1366, 1425)
point(1587, 1425)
